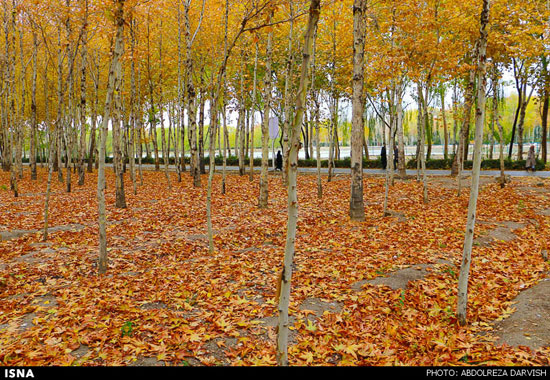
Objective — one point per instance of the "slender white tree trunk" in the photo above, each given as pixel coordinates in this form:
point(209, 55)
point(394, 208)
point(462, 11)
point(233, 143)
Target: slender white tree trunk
point(114, 71)
point(263, 201)
point(34, 121)
point(315, 96)
point(357, 208)
point(51, 158)
point(82, 104)
point(294, 134)
point(422, 132)
point(286, 109)
point(253, 115)
point(472, 205)
point(401, 159)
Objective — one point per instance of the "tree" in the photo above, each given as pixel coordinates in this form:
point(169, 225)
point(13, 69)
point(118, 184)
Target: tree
point(472, 205)
point(284, 299)
point(357, 210)
point(114, 75)
point(263, 200)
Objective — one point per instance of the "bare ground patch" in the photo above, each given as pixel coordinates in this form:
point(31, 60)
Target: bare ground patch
point(317, 307)
point(529, 325)
point(400, 279)
point(449, 182)
point(503, 232)
point(15, 234)
point(545, 212)
point(147, 362)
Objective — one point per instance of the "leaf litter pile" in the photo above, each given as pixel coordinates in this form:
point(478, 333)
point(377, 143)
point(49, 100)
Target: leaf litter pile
point(165, 300)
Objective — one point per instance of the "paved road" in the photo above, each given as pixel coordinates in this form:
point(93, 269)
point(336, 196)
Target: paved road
point(512, 173)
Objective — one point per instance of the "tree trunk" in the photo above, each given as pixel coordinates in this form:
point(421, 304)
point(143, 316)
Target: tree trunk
point(357, 208)
point(331, 134)
point(389, 167)
point(152, 112)
point(253, 116)
point(492, 129)
point(13, 120)
point(82, 103)
point(242, 120)
point(225, 143)
point(545, 105)
point(520, 101)
point(521, 123)
point(445, 129)
point(472, 205)
point(284, 298)
point(114, 72)
point(201, 133)
point(91, 151)
point(133, 112)
point(164, 146)
point(195, 158)
point(422, 132)
point(20, 120)
point(465, 128)
point(496, 118)
point(401, 158)
point(263, 201)
point(315, 96)
point(120, 200)
point(69, 118)
point(287, 96)
point(51, 159)
point(34, 120)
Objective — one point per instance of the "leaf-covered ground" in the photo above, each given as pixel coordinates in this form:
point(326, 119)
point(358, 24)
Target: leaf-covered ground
point(166, 301)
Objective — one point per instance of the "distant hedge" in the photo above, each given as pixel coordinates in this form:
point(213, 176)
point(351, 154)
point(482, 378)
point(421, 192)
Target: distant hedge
point(485, 164)
point(433, 164)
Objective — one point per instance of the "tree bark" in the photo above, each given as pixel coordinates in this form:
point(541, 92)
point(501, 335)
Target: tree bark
point(357, 208)
point(284, 299)
point(34, 120)
point(315, 97)
point(286, 108)
point(19, 135)
point(263, 200)
point(82, 103)
point(152, 112)
point(164, 145)
point(545, 105)
point(253, 115)
point(401, 157)
point(190, 101)
point(472, 205)
point(114, 72)
point(465, 128)
point(13, 119)
point(242, 120)
point(117, 118)
point(51, 159)
point(422, 131)
point(445, 129)
point(133, 112)
point(95, 105)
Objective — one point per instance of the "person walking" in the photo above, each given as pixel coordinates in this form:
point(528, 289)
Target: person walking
point(279, 161)
point(531, 161)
